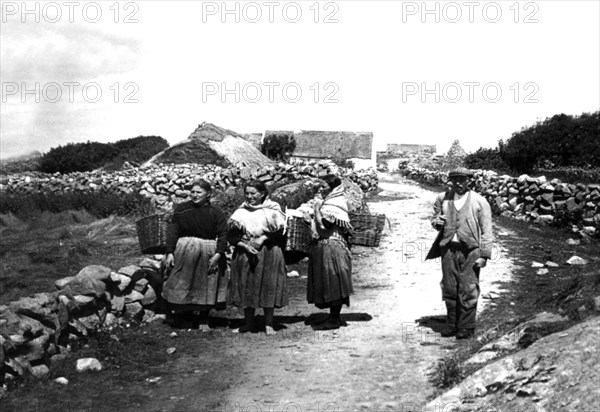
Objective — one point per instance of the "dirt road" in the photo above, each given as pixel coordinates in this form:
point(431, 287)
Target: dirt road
point(379, 362)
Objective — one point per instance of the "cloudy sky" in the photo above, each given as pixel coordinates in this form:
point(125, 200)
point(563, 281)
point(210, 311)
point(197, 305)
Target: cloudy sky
point(410, 72)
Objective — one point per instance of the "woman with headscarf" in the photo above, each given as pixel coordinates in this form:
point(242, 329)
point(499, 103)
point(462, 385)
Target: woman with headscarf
point(196, 245)
point(330, 262)
point(258, 272)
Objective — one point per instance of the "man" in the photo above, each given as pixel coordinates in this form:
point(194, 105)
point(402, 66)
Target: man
point(464, 221)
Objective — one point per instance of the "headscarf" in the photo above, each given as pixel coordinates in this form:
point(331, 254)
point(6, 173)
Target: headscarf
point(258, 220)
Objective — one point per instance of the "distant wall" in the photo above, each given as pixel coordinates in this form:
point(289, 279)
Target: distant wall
point(529, 198)
point(412, 148)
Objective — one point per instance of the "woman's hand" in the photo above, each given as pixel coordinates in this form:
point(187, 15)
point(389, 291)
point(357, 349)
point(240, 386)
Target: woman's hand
point(258, 242)
point(248, 248)
point(213, 263)
point(481, 263)
point(318, 203)
point(169, 261)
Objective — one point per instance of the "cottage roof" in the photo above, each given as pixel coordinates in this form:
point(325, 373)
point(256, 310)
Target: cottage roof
point(210, 144)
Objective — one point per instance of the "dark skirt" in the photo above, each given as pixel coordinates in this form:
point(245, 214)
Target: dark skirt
point(329, 273)
point(189, 285)
point(259, 281)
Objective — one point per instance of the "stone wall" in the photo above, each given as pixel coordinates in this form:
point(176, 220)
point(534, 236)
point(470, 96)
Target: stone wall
point(530, 198)
point(168, 184)
point(36, 332)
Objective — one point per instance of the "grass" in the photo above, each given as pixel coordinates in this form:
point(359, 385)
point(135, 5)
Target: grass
point(35, 253)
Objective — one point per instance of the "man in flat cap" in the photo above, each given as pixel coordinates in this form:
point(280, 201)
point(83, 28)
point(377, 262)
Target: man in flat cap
point(464, 242)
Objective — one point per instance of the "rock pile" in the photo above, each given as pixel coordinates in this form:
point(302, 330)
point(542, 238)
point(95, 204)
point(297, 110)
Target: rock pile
point(530, 198)
point(36, 332)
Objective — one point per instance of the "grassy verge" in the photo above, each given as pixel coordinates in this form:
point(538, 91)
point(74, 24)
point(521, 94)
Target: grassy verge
point(36, 252)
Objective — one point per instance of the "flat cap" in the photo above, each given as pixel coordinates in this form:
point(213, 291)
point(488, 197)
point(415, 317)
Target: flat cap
point(460, 172)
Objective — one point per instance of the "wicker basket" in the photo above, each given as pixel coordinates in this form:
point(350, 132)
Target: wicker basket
point(367, 228)
point(152, 234)
point(299, 235)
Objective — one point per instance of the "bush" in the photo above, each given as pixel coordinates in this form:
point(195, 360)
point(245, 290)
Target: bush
point(562, 140)
point(278, 146)
point(487, 159)
point(83, 157)
point(80, 157)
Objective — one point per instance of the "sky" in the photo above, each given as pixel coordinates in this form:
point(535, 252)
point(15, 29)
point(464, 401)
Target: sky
point(410, 72)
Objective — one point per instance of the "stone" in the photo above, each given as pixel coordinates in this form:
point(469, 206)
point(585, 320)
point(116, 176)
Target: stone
point(41, 372)
point(577, 261)
point(545, 219)
point(97, 272)
point(589, 230)
point(133, 296)
point(88, 364)
point(122, 281)
point(573, 242)
point(84, 300)
point(35, 349)
point(149, 297)
point(90, 322)
point(141, 285)
point(61, 283)
point(62, 380)
point(41, 306)
point(151, 264)
point(20, 328)
point(57, 359)
point(542, 271)
point(84, 286)
point(134, 310)
point(110, 320)
point(132, 271)
point(537, 265)
point(293, 274)
point(551, 264)
point(490, 295)
point(20, 365)
point(117, 304)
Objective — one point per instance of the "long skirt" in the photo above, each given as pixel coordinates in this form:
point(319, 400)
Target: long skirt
point(189, 285)
point(329, 273)
point(259, 281)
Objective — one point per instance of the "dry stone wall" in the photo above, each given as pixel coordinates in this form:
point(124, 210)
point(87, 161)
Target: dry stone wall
point(37, 332)
point(530, 198)
point(168, 184)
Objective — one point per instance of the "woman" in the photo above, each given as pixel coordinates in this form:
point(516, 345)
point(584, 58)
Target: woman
point(196, 245)
point(258, 272)
point(330, 264)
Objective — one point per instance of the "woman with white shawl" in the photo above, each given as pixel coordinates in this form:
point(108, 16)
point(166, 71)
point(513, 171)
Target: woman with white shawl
point(258, 272)
point(330, 262)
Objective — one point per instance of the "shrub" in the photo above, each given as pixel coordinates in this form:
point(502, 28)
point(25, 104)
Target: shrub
point(278, 146)
point(83, 157)
point(486, 159)
point(563, 140)
point(80, 157)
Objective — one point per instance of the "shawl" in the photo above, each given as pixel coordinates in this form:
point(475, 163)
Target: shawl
point(258, 220)
point(335, 208)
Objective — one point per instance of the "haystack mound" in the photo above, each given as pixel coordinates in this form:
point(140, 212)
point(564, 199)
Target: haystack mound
point(214, 145)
